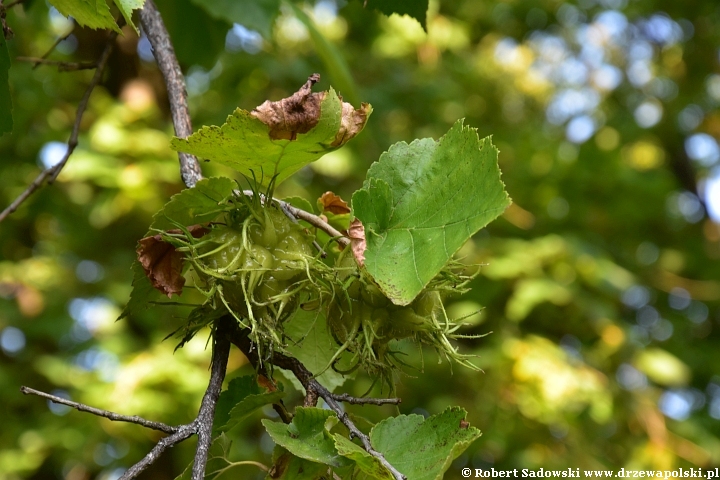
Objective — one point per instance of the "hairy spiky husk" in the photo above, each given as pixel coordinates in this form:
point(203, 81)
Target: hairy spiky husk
point(366, 324)
point(255, 264)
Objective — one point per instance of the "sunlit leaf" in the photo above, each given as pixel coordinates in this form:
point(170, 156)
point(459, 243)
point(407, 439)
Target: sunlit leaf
point(127, 7)
point(88, 13)
point(421, 202)
point(279, 138)
point(416, 9)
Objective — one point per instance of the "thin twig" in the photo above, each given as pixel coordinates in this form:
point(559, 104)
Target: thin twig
point(62, 66)
point(159, 38)
point(242, 341)
point(318, 222)
point(365, 401)
point(115, 417)
point(202, 425)
point(206, 415)
point(184, 432)
point(57, 42)
point(12, 4)
point(51, 173)
point(312, 219)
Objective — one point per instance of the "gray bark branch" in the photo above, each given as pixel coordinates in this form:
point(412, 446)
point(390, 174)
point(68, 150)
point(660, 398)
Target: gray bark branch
point(157, 34)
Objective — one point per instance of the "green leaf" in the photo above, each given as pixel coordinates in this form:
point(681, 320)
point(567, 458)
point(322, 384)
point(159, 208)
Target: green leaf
point(264, 149)
point(247, 402)
point(311, 343)
point(307, 436)
point(416, 9)
point(237, 390)
point(365, 462)
point(197, 37)
point(256, 15)
point(332, 58)
point(195, 205)
point(421, 202)
point(88, 13)
point(126, 7)
point(287, 466)
point(420, 448)
point(6, 120)
point(142, 293)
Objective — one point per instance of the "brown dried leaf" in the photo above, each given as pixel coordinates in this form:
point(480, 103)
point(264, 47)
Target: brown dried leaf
point(298, 113)
point(334, 204)
point(266, 383)
point(162, 263)
point(352, 122)
point(356, 234)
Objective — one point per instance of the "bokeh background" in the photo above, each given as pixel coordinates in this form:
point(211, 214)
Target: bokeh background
point(600, 284)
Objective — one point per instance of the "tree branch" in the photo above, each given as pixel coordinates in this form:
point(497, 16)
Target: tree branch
point(202, 425)
point(49, 175)
point(154, 28)
point(62, 66)
point(241, 340)
point(116, 417)
point(206, 415)
point(312, 219)
point(57, 42)
point(316, 222)
point(184, 432)
point(365, 401)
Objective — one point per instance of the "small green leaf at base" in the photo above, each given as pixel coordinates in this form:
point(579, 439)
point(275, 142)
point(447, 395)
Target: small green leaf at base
point(242, 398)
point(199, 204)
point(420, 448)
point(287, 466)
point(307, 437)
point(421, 202)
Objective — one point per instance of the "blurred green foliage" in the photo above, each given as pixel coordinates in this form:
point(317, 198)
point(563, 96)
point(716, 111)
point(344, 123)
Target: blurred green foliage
point(599, 284)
